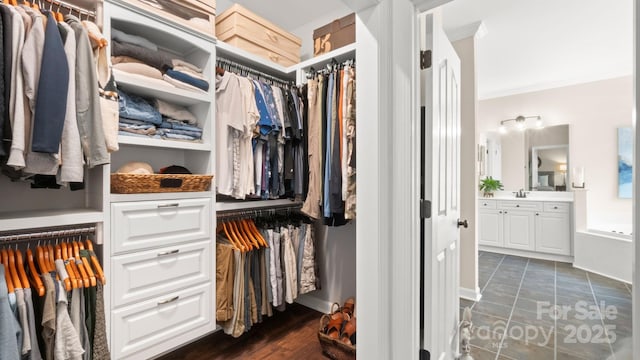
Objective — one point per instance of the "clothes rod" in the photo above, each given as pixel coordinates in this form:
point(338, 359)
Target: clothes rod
point(71, 8)
point(48, 234)
point(242, 68)
point(257, 212)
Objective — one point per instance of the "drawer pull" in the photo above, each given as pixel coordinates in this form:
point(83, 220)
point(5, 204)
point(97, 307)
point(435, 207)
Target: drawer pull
point(274, 58)
point(272, 37)
point(518, 205)
point(168, 252)
point(555, 207)
point(162, 206)
point(168, 300)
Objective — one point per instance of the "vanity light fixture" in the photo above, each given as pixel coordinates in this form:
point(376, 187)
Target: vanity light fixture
point(520, 123)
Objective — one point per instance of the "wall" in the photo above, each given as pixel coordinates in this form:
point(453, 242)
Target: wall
point(594, 111)
point(468, 189)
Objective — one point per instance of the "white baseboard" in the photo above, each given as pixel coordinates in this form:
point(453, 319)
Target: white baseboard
point(601, 274)
point(468, 294)
point(526, 253)
point(314, 303)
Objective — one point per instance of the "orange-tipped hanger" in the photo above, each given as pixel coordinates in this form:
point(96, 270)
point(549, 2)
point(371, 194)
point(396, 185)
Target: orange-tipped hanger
point(232, 237)
point(51, 263)
point(234, 230)
point(87, 266)
point(66, 280)
point(70, 265)
point(37, 282)
point(42, 263)
point(96, 263)
point(13, 2)
point(257, 232)
point(242, 224)
point(7, 273)
point(24, 279)
point(80, 264)
point(17, 283)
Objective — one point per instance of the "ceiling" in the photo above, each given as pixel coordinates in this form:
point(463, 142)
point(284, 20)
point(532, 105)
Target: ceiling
point(529, 45)
point(535, 45)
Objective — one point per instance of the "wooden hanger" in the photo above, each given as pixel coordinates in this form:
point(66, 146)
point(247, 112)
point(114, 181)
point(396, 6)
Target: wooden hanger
point(37, 282)
point(42, 264)
point(17, 283)
point(7, 273)
point(87, 266)
point(96, 264)
point(68, 285)
point(232, 238)
point(24, 279)
point(234, 230)
point(80, 264)
point(70, 265)
point(52, 264)
point(255, 229)
point(249, 234)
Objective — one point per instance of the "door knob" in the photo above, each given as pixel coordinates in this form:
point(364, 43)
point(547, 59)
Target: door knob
point(463, 223)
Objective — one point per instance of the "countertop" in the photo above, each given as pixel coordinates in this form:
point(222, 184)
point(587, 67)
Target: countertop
point(532, 196)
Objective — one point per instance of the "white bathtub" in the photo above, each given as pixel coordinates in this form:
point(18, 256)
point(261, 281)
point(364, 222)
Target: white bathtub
point(608, 252)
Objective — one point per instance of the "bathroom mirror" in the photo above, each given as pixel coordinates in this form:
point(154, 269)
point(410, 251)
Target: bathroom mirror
point(533, 159)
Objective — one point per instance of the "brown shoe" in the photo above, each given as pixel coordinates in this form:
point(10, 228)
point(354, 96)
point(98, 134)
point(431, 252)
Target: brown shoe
point(349, 306)
point(347, 331)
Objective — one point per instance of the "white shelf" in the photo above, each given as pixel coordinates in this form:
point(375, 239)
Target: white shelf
point(255, 62)
point(167, 144)
point(159, 89)
point(37, 219)
point(250, 205)
point(340, 54)
point(160, 196)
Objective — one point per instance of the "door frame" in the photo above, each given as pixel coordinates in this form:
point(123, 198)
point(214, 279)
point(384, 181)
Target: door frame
point(636, 186)
point(387, 230)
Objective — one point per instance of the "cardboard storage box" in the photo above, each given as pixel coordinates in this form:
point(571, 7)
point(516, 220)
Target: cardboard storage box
point(199, 15)
point(241, 28)
point(335, 34)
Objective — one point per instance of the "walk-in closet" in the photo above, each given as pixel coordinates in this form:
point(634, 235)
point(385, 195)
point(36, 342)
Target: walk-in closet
point(218, 190)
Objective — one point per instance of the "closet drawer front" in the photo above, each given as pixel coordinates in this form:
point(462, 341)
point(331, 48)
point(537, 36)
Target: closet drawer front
point(149, 328)
point(520, 205)
point(152, 224)
point(150, 273)
point(486, 204)
point(561, 207)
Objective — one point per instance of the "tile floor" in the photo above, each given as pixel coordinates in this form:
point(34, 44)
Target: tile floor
point(536, 309)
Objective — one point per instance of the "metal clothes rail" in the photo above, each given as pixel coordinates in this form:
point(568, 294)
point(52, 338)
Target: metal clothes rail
point(245, 70)
point(49, 233)
point(60, 4)
point(258, 212)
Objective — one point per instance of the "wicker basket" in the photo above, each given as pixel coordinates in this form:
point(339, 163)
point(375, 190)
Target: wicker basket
point(333, 348)
point(122, 183)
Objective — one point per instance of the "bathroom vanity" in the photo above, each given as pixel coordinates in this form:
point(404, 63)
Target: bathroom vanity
point(539, 226)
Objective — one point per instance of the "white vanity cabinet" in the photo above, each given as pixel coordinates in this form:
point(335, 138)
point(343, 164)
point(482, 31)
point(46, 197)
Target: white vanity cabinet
point(525, 226)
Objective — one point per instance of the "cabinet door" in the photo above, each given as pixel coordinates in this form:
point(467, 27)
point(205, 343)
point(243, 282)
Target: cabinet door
point(519, 229)
point(553, 233)
point(490, 227)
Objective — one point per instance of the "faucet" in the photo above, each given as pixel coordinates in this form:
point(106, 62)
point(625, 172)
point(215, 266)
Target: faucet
point(521, 193)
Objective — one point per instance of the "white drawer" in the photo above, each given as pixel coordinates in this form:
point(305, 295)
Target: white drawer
point(152, 224)
point(520, 205)
point(152, 327)
point(561, 207)
point(486, 204)
point(150, 273)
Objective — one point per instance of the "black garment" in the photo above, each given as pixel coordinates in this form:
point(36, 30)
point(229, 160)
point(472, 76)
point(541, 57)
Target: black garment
point(152, 58)
point(305, 140)
point(7, 34)
point(53, 86)
point(335, 181)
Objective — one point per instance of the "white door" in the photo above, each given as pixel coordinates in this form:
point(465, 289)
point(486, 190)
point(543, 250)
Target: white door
point(441, 160)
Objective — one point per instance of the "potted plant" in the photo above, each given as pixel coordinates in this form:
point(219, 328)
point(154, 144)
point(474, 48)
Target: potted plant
point(488, 185)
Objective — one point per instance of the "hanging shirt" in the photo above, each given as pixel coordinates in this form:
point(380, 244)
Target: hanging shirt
point(9, 326)
point(229, 126)
point(17, 100)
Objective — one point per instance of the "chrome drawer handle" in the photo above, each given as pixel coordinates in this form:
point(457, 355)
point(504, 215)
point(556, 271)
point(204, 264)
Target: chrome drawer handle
point(168, 300)
point(169, 252)
point(168, 205)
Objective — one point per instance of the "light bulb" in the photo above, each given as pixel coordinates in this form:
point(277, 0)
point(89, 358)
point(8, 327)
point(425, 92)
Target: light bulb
point(539, 123)
point(502, 129)
point(520, 126)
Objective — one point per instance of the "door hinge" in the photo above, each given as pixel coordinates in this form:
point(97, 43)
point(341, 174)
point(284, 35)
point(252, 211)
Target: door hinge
point(425, 209)
point(425, 354)
point(425, 59)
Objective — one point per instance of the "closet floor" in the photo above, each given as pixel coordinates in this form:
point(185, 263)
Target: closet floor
point(291, 334)
point(536, 309)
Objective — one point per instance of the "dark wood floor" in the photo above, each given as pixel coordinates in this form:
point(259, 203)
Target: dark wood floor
point(291, 334)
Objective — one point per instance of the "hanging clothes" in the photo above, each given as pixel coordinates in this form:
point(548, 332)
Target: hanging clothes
point(257, 267)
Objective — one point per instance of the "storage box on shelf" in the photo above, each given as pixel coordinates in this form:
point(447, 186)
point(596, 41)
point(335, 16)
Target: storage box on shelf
point(241, 28)
point(197, 15)
point(334, 35)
